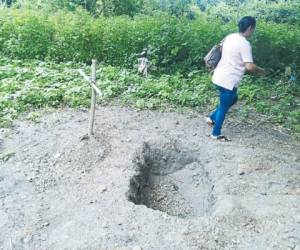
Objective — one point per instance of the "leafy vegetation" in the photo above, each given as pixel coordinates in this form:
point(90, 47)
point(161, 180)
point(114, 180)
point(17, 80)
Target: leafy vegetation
point(175, 43)
point(278, 11)
point(27, 85)
point(270, 11)
point(42, 43)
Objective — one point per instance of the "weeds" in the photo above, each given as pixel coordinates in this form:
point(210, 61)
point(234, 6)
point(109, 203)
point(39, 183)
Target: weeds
point(29, 85)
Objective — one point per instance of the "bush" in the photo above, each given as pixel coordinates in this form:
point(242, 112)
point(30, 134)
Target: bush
point(275, 12)
point(175, 43)
point(71, 40)
point(25, 34)
point(276, 45)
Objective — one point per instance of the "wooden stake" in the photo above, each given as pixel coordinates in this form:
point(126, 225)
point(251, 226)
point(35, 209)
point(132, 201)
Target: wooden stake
point(93, 99)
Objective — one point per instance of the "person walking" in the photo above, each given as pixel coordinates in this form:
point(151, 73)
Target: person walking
point(236, 59)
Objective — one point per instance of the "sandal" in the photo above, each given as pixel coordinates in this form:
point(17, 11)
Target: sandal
point(220, 138)
point(209, 122)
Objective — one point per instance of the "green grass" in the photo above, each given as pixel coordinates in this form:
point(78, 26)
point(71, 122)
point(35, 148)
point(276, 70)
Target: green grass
point(26, 86)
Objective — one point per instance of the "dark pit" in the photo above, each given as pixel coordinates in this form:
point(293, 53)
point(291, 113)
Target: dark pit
point(172, 181)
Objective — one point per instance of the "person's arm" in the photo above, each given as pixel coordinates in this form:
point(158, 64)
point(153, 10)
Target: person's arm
point(246, 53)
point(253, 68)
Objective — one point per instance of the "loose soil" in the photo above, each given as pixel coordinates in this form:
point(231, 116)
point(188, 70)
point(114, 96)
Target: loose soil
point(147, 180)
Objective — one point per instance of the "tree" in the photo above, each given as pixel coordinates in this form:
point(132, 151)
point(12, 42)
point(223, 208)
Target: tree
point(6, 2)
point(119, 7)
point(174, 7)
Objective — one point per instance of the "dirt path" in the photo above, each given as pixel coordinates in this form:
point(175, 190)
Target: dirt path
point(59, 191)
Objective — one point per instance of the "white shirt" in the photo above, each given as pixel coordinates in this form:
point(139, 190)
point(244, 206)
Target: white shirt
point(236, 51)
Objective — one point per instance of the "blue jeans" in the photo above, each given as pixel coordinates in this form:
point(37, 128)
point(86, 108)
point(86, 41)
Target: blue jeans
point(227, 99)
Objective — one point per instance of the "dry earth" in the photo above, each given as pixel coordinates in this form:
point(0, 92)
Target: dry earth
point(147, 180)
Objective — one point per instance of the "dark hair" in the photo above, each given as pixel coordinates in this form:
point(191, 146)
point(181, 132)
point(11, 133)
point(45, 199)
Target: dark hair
point(246, 22)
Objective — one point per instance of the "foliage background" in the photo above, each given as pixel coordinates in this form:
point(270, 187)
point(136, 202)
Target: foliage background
point(175, 42)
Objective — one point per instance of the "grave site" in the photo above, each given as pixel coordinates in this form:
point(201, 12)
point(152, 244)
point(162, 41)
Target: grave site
point(110, 120)
point(146, 180)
